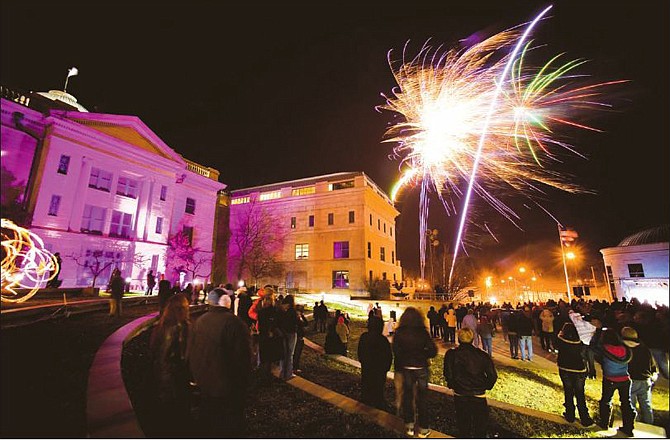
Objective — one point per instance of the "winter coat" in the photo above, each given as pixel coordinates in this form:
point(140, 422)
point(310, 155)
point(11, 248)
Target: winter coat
point(270, 336)
point(641, 366)
point(412, 347)
point(613, 358)
point(219, 354)
point(469, 371)
point(524, 325)
point(485, 330)
point(573, 356)
point(450, 317)
point(374, 352)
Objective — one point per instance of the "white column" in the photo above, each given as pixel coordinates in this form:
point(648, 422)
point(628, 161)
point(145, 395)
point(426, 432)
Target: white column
point(80, 194)
point(143, 207)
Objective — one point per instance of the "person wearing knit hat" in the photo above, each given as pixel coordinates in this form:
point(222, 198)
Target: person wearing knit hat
point(642, 371)
point(614, 356)
point(574, 366)
point(224, 301)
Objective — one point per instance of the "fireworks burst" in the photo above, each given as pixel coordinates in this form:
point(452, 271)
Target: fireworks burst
point(482, 119)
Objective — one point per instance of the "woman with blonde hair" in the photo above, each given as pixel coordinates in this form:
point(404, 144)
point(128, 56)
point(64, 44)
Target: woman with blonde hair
point(168, 345)
point(412, 348)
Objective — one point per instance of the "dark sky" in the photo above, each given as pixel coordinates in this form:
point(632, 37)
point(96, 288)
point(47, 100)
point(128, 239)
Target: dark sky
point(279, 91)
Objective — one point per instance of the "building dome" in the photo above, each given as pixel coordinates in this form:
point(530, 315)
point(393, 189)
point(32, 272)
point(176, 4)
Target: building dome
point(659, 234)
point(59, 95)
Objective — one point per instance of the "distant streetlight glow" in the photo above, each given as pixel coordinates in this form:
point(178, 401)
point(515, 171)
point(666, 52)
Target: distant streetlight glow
point(522, 269)
point(570, 255)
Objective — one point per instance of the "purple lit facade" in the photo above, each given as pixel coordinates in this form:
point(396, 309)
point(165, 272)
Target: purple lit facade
point(105, 183)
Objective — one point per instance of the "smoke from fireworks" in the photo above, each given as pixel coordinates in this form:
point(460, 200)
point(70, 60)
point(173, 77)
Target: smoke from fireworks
point(482, 119)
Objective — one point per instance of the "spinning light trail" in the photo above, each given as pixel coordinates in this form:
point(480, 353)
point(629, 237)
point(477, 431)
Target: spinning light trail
point(479, 119)
point(25, 263)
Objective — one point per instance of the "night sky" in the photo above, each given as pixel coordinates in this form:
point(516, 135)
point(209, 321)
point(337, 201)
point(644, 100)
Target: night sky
point(273, 92)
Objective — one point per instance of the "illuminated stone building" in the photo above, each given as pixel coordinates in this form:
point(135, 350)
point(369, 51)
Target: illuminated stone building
point(638, 266)
point(102, 186)
point(338, 231)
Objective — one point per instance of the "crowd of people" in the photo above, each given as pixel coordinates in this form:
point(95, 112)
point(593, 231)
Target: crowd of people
point(241, 333)
point(628, 338)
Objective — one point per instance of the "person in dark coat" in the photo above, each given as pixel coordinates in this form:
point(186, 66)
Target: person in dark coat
point(470, 373)
point(574, 366)
point(374, 353)
point(642, 371)
point(270, 340)
point(151, 282)
point(433, 321)
point(219, 357)
point(116, 287)
point(334, 344)
point(288, 322)
point(243, 305)
point(412, 347)
point(170, 373)
point(300, 343)
point(164, 293)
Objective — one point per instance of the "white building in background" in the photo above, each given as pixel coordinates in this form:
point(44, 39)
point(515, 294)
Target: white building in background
point(638, 266)
point(103, 184)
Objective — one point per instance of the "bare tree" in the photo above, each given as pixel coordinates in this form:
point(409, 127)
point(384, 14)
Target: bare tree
point(257, 238)
point(98, 261)
point(184, 257)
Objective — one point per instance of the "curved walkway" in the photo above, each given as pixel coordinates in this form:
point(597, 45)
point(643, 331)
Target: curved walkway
point(109, 413)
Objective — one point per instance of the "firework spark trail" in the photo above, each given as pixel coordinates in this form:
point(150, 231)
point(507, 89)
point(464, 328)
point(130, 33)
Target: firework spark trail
point(480, 120)
point(475, 165)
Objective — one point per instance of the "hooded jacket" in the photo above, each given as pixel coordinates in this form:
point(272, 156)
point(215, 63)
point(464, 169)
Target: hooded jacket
point(613, 358)
point(573, 355)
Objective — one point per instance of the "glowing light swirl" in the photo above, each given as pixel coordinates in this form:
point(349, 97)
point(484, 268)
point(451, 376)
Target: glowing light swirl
point(25, 263)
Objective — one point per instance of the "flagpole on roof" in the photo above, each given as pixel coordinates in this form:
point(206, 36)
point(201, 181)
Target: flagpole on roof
point(70, 72)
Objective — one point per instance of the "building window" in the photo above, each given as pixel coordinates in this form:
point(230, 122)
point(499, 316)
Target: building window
point(293, 222)
point(163, 192)
point(54, 205)
point(392, 257)
point(303, 191)
point(311, 221)
point(63, 164)
point(187, 231)
point(121, 224)
point(635, 270)
point(340, 279)
point(341, 249)
point(370, 219)
point(384, 276)
point(340, 185)
point(382, 253)
point(127, 187)
point(352, 216)
point(369, 250)
point(270, 195)
point(379, 224)
point(190, 206)
point(384, 228)
point(100, 179)
point(391, 230)
point(240, 200)
point(331, 218)
point(159, 225)
point(394, 279)
point(370, 276)
point(93, 219)
point(302, 251)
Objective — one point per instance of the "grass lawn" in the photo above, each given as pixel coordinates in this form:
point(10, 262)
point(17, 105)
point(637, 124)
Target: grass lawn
point(345, 379)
